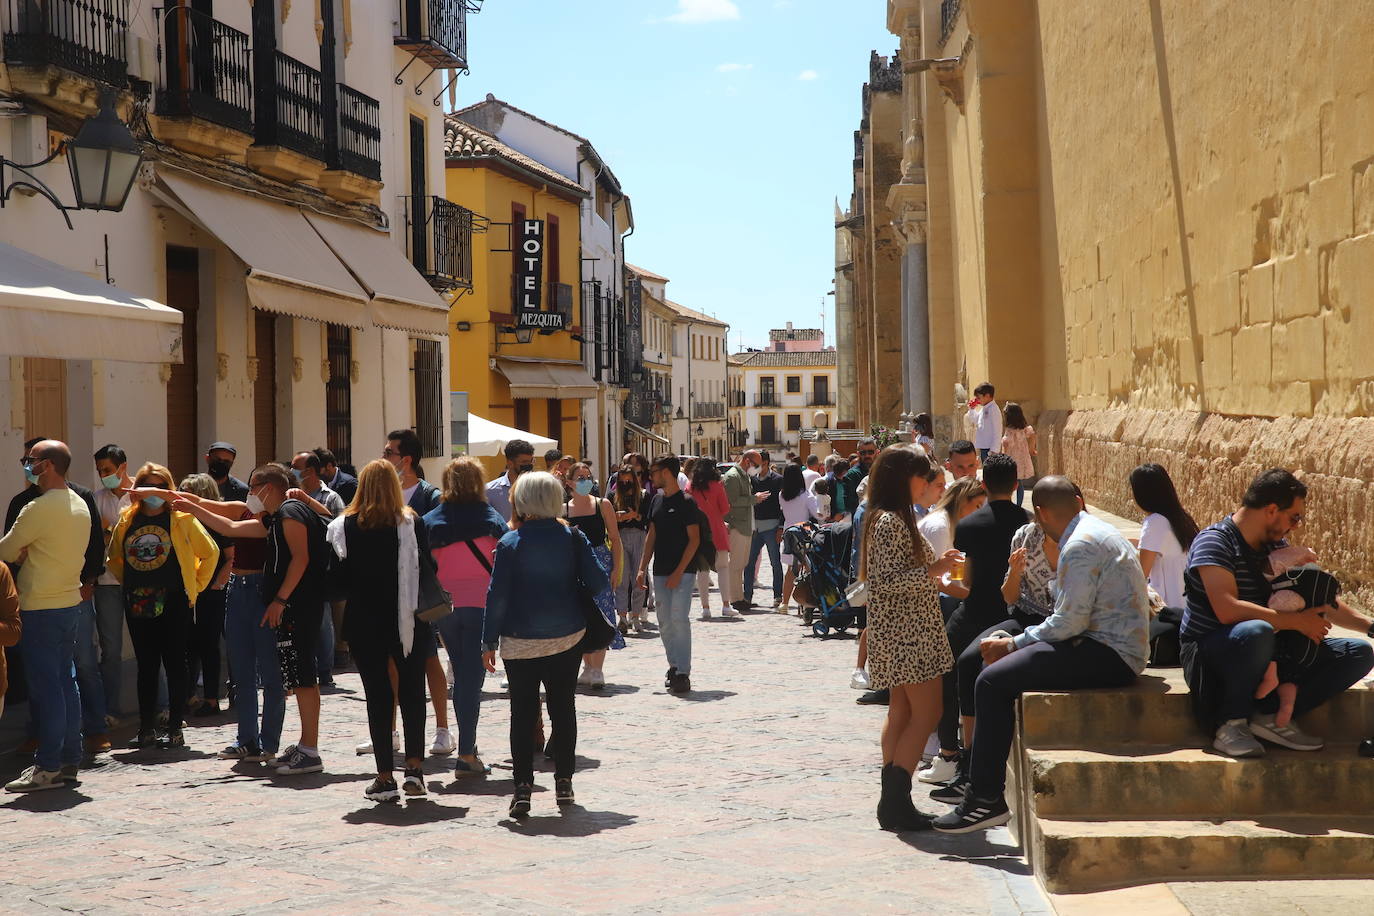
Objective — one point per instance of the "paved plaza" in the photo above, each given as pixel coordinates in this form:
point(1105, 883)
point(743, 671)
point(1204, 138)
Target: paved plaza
point(753, 793)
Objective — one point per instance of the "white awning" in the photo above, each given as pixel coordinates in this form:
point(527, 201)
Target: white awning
point(291, 270)
point(641, 431)
point(487, 439)
point(47, 310)
point(401, 298)
point(547, 379)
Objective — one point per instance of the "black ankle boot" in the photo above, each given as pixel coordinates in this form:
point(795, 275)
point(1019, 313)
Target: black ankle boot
point(895, 809)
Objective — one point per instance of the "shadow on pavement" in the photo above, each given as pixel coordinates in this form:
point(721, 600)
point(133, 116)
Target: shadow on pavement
point(571, 821)
point(973, 848)
point(706, 696)
point(314, 780)
point(610, 690)
point(404, 813)
point(46, 800)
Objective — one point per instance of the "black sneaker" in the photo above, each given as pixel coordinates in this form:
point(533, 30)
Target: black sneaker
point(952, 792)
point(172, 740)
point(563, 791)
point(874, 698)
point(144, 738)
point(414, 784)
point(973, 814)
point(242, 753)
point(382, 790)
point(668, 678)
point(520, 801)
point(681, 684)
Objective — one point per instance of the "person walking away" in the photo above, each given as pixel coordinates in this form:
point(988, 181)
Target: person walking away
point(986, 419)
point(740, 522)
point(219, 461)
point(462, 532)
point(292, 590)
point(630, 503)
point(708, 492)
point(10, 626)
point(595, 518)
point(1019, 442)
point(674, 535)
point(907, 650)
point(50, 536)
point(164, 559)
point(534, 617)
point(799, 507)
point(1097, 636)
point(847, 484)
point(379, 544)
point(519, 460)
point(403, 450)
point(111, 499)
point(767, 533)
point(204, 654)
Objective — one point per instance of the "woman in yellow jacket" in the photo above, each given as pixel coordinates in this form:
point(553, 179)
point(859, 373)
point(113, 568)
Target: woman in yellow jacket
point(164, 560)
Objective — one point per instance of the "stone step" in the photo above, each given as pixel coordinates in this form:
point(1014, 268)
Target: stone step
point(1139, 781)
point(1071, 856)
point(1157, 710)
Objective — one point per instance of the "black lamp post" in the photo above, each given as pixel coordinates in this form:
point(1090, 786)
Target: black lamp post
point(103, 158)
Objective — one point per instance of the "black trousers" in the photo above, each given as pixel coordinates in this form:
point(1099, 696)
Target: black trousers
point(410, 670)
point(204, 656)
point(558, 674)
point(160, 642)
point(962, 627)
point(969, 664)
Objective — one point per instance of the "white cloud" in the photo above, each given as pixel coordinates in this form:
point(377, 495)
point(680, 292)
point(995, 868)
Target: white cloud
point(733, 68)
point(694, 12)
point(807, 76)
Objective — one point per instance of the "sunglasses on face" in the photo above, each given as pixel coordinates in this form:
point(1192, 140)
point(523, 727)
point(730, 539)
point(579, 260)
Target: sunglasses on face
point(867, 454)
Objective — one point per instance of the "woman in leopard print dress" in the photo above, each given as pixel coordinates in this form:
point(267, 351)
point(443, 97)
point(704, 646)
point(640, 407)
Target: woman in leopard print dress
point(908, 651)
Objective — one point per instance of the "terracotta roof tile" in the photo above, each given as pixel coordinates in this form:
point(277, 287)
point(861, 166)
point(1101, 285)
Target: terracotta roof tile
point(463, 141)
point(758, 359)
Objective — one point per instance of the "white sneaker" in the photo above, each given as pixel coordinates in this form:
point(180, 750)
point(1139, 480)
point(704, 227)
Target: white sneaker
point(730, 613)
point(585, 678)
point(941, 770)
point(596, 679)
point(364, 748)
point(705, 614)
point(859, 679)
point(505, 682)
point(443, 743)
point(1234, 739)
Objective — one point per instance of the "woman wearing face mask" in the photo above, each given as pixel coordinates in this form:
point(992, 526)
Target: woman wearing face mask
point(164, 560)
point(595, 517)
point(631, 505)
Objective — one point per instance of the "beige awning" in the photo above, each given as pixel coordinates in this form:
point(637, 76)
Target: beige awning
point(641, 431)
point(47, 310)
point(544, 379)
point(291, 270)
point(400, 297)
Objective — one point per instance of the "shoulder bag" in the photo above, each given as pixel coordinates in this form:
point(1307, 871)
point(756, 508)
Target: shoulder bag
point(433, 602)
point(600, 632)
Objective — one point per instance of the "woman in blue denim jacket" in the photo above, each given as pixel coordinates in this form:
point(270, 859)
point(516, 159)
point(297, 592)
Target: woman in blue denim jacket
point(534, 615)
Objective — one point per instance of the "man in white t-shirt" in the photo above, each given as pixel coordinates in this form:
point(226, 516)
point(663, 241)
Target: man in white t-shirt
point(812, 471)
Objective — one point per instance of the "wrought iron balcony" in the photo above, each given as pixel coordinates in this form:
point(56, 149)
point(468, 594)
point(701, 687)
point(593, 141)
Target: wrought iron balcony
point(436, 31)
point(737, 399)
point(207, 73)
point(89, 37)
point(439, 240)
point(292, 116)
point(820, 399)
point(768, 399)
point(358, 145)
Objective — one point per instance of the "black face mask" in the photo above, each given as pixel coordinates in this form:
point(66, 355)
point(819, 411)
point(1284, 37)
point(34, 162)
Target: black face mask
point(219, 468)
point(523, 468)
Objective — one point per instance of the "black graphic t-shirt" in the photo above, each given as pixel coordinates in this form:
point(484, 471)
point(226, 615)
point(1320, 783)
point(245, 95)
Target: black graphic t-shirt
point(149, 560)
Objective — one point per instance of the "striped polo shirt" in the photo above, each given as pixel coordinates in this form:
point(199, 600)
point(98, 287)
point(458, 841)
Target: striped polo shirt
point(1222, 545)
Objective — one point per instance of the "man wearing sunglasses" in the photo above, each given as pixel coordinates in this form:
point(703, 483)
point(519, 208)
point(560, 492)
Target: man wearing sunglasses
point(847, 491)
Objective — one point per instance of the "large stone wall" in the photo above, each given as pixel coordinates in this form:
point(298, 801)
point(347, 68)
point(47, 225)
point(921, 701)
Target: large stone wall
point(1212, 458)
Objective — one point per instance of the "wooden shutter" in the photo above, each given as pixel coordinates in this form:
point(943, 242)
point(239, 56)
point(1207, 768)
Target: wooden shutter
point(45, 399)
point(183, 294)
point(338, 394)
point(555, 428)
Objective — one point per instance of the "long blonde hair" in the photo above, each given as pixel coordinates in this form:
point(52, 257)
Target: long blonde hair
point(378, 502)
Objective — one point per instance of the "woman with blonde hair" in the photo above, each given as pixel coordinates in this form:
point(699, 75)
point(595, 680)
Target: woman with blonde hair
point(463, 530)
point(164, 559)
point(379, 547)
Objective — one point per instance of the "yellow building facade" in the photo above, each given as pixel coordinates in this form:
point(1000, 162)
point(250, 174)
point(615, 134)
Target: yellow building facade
point(530, 380)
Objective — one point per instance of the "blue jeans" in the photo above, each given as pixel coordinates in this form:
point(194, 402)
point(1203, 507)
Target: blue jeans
point(674, 620)
point(253, 649)
point(1237, 655)
point(88, 675)
point(462, 633)
point(109, 627)
point(763, 538)
point(49, 645)
point(324, 649)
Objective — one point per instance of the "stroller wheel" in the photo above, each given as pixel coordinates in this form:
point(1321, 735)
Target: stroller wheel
point(820, 629)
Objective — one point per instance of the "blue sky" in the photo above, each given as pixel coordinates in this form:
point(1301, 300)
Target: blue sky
point(729, 123)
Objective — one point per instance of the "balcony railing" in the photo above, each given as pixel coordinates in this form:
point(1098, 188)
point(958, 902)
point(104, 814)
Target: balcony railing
point(708, 410)
point(436, 31)
point(820, 399)
point(439, 241)
point(360, 134)
point(208, 72)
point(294, 117)
point(89, 37)
point(769, 399)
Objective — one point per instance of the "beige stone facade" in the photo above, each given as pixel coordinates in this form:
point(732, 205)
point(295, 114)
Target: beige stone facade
point(1153, 225)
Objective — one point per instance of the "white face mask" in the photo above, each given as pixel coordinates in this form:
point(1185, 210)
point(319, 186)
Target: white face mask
point(255, 505)
point(753, 470)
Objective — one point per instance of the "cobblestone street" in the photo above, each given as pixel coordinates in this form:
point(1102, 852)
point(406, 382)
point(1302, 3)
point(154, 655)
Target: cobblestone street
point(754, 793)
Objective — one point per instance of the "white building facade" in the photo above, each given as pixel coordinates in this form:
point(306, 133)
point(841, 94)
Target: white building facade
point(699, 420)
point(775, 395)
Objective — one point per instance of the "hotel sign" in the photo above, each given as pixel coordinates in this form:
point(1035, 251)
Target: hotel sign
point(529, 279)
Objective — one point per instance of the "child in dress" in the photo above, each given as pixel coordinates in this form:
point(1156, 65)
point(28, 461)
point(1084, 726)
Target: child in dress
point(1018, 441)
point(1298, 583)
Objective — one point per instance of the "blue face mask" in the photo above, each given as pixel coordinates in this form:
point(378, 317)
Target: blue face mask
point(298, 474)
point(584, 487)
point(110, 482)
point(30, 476)
point(154, 502)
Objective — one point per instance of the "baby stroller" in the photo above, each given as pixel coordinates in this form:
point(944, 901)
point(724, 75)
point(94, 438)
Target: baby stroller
point(822, 556)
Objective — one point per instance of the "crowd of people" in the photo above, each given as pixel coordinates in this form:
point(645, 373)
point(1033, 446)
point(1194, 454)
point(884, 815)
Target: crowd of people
point(965, 600)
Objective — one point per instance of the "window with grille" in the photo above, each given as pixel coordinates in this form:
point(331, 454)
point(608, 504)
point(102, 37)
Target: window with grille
point(338, 394)
point(429, 411)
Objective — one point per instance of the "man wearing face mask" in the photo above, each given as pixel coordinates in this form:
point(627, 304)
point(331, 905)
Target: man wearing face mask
point(519, 460)
point(739, 490)
point(305, 468)
point(51, 533)
point(219, 460)
point(111, 499)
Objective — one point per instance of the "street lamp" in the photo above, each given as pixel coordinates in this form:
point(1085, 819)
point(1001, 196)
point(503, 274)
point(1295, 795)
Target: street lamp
point(103, 158)
point(701, 431)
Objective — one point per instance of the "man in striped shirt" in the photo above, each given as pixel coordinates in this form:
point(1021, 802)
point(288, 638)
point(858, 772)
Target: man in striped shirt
point(1227, 635)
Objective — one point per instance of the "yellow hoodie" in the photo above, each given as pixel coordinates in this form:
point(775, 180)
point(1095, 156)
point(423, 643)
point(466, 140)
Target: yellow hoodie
point(196, 551)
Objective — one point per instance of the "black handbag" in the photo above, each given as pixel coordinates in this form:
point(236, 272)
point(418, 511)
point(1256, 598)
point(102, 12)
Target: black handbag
point(433, 603)
point(599, 631)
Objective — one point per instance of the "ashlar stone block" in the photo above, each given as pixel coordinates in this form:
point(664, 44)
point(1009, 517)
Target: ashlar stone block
point(1257, 294)
point(1295, 286)
point(1330, 209)
point(1300, 350)
point(1253, 356)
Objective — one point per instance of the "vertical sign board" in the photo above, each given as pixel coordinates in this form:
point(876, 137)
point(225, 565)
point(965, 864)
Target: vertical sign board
point(529, 279)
